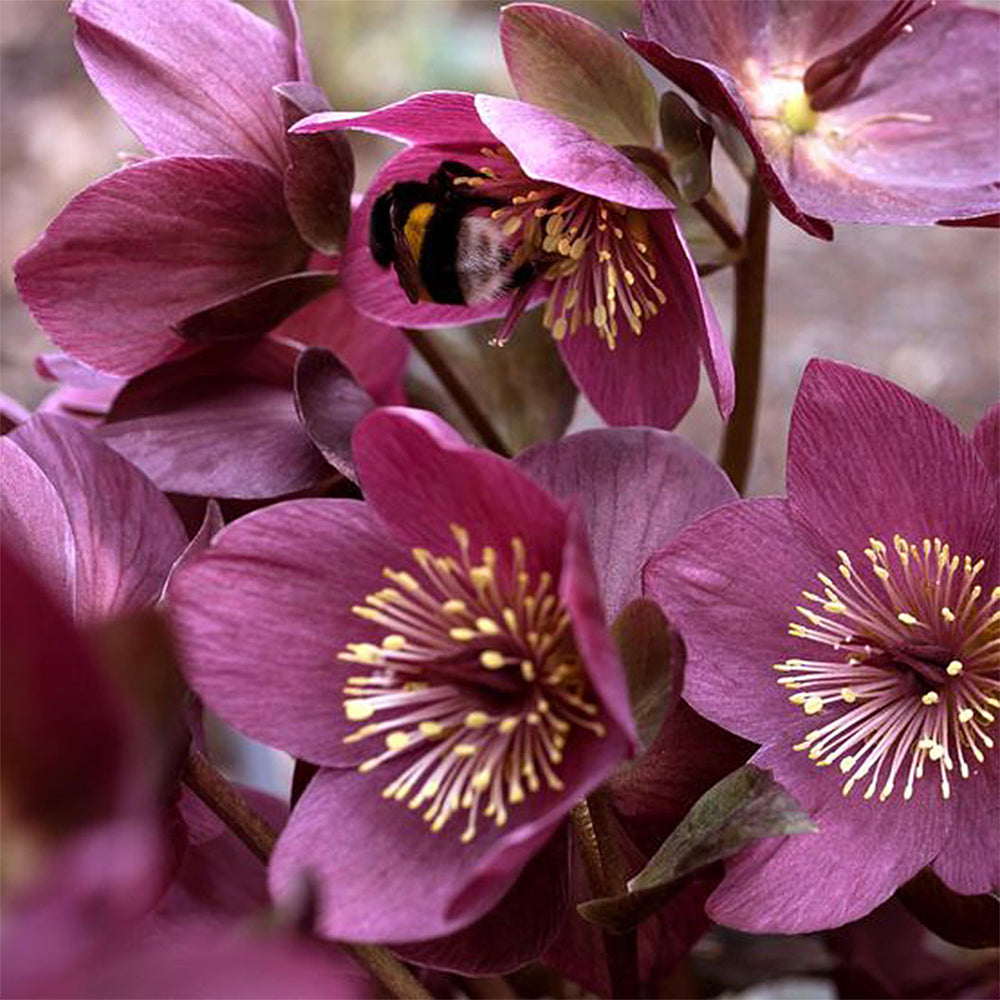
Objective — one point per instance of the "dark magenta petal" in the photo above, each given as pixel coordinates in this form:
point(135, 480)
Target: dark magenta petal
point(422, 477)
point(320, 172)
point(257, 310)
point(636, 489)
point(517, 930)
point(866, 458)
point(92, 891)
point(147, 246)
point(653, 378)
point(262, 615)
point(224, 435)
point(730, 584)
point(581, 594)
point(375, 291)
point(36, 524)
point(374, 352)
point(796, 884)
point(549, 148)
point(969, 861)
point(986, 438)
point(441, 117)
point(191, 77)
point(329, 404)
point(52, 685)
point(204, 961)
point(124, 533)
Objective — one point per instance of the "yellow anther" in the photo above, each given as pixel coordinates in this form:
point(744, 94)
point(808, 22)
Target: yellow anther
point(930, 698)
point(462, 634)
point(492, 660)
point(965, 715)
point(848, 695)
point(477, 720)
point(813, 705)
point(394, 642)
point(481, 779)
point(358, 709)
point(509, 724)
point(487, 626)
point(431, 729)
point(465, 750)
point(454, 606)
point(397, 740)
point(906, 618)
point(527, 670)
point(947, 614)
point(362, 612)
point(954, 668)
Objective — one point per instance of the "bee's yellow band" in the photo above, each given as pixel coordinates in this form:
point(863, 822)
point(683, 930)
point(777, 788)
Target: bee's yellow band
point(416, 226)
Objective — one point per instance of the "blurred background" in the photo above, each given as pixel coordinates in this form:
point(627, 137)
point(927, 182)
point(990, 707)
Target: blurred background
point(920, 306)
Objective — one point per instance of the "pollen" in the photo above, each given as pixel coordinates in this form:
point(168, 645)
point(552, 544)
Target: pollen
point(475, 690)
point(906, 669)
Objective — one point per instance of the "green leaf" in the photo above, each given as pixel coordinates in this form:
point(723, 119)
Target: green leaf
point(570, 66)
point(652, 654)
point(745, 806)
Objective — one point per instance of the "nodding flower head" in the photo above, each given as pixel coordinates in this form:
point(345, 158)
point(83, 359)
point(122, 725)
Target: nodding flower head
point(858, 622)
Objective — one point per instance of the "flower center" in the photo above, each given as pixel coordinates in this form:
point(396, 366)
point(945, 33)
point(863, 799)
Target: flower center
point(596, 253)
point(833, 79)
point(477, 683)
point(914, 671)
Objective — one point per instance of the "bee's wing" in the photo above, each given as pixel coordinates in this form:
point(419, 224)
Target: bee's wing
point(407, 269)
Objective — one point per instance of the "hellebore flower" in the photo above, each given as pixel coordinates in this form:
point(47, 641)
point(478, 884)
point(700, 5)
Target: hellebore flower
point(84, 853)
point(872, 112)
point(485, 694)
point(589, 232)
point(866, 602)
point(439, 650)
point(221, 238)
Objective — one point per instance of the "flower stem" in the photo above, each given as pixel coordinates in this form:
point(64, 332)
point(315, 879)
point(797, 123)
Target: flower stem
point(608, 875)
point(211, 786)
point(462, 397)
point(748, 346)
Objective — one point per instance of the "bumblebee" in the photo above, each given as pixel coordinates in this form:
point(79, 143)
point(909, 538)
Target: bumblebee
point(444, 247)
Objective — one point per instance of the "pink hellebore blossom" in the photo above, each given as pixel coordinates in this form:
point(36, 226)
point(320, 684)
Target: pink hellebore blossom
point(192, 256)
point(442, 646)
point(440, 651)
point(857, 623)
point(884, 112)
point(601, 239)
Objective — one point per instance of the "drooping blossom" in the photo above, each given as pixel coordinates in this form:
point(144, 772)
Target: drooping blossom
point(85, 850)
point(621, 292)
point(852, 631)
point(878, 112)
point(222, 237)
point(440, 651)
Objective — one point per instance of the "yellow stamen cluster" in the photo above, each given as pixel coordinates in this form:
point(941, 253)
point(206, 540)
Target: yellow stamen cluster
point(475, 687)
point(597, 254)
point(918, 668)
